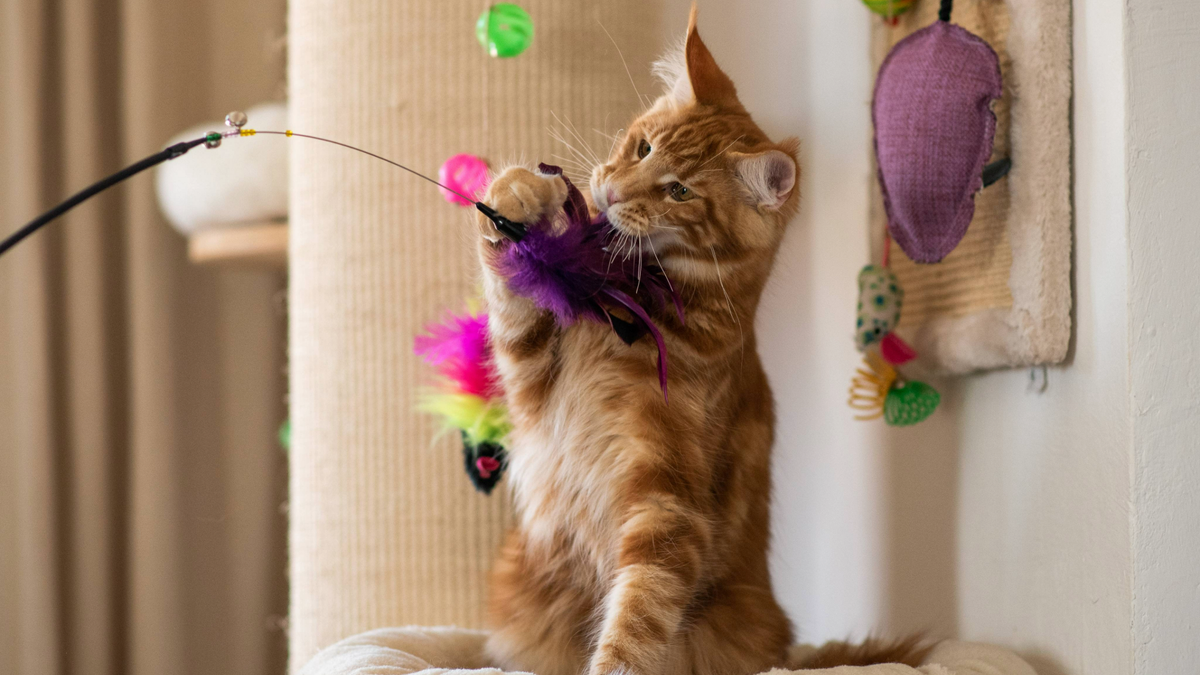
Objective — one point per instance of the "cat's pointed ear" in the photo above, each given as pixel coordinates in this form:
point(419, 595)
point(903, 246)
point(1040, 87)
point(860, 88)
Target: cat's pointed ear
point(710, 84)
point(769, 177)
point(692, 75)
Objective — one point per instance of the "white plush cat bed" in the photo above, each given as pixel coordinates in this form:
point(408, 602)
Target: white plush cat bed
point(455, 651)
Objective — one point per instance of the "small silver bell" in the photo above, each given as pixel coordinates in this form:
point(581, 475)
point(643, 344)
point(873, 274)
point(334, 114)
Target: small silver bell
point(236, 119)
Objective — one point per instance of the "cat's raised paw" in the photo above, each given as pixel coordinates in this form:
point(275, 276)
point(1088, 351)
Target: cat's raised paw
point(523, 196)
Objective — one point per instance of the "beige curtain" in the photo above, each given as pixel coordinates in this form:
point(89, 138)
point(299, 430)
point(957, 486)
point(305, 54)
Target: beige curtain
point(141, 528)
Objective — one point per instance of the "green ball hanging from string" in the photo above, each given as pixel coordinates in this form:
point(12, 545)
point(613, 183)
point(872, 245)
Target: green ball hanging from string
point(504, 29)
point(890, 10)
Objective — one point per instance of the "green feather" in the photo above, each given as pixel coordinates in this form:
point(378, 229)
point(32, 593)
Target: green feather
point(483, 422)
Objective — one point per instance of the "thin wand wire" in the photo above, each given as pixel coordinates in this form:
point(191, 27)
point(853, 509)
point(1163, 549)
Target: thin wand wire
point(513, 230)
point(365, 152)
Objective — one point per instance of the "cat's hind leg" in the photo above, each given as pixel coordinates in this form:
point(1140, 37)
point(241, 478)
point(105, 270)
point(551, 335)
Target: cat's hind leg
point(740, 630)
point(542, 616)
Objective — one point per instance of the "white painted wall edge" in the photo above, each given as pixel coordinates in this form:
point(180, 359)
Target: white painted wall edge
point(1162, 50)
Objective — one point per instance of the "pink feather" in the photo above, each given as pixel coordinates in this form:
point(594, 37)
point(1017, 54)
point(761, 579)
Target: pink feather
point(458, 347)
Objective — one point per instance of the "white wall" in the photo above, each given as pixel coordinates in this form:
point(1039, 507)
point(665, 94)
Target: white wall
point(799, 80)
point(1043, 527)
point(1163, 160)
point(1051, 522)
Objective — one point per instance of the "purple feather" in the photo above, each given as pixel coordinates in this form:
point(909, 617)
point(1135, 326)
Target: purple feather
point(572, 275)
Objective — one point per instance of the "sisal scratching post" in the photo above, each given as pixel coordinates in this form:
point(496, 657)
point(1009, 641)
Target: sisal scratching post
point(385, 528)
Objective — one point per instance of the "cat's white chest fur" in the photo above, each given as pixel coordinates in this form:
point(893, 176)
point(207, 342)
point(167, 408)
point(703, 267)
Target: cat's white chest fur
point(567, 466)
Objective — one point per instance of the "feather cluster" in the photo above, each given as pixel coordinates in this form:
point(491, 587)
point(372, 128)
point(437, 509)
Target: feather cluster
point(572, 272)
point(469, 396)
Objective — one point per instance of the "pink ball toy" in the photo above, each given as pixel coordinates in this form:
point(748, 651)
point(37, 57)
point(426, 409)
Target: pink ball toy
point(465, 173)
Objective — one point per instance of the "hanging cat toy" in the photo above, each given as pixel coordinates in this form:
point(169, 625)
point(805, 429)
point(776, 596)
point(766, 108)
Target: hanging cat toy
point(573, 274)
point(934, 134)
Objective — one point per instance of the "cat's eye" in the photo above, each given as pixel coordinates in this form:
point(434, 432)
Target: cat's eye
point(643, 148)
point(680, 192)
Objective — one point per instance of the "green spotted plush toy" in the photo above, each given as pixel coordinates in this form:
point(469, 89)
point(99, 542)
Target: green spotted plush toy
point(879, 301)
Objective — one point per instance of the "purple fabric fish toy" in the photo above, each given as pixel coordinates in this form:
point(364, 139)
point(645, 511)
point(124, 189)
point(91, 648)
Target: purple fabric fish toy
point(934, 129)
point(573, 275)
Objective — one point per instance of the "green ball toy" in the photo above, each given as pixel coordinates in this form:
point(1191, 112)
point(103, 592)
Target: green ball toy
point(504, 29)
point(909, 403)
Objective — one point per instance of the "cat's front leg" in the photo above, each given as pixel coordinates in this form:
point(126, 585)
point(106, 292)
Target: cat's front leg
point(522, 333)
point(663, 545)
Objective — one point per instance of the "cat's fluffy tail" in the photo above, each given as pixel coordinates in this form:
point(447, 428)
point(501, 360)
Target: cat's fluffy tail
point(910, 651)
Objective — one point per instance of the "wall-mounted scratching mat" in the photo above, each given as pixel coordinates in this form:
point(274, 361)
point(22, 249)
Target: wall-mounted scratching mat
point(1002, 297)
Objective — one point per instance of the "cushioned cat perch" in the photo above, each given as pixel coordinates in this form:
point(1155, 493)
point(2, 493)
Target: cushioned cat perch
point(454, 651)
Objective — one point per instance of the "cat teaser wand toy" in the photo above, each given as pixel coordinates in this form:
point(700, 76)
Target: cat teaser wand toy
point(212, 140)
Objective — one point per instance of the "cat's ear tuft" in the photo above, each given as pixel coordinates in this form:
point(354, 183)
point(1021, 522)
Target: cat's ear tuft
point(710, 85)
point(769, 177)
point(671, 70)
point(691, 74)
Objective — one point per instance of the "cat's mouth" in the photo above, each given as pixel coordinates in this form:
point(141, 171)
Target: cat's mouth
point(633, 222)
point(629, 219)
point(654, 247)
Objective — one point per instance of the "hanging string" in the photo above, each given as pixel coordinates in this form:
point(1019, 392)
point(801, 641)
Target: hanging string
point(944, 12)
point(887, 247)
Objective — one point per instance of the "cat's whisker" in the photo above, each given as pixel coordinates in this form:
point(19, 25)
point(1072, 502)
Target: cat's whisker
point(577, 137)
point(573, 164)
point(583, 159)
point(569, 169)
point(570, 146)
point(660, 265)
point(573, 160)
point(641, 99)
point(728, 300)
point(639, 266)
point(575, 132)
point(731, 144)
point(587, 146)
point(616, 139)
point(619, 244)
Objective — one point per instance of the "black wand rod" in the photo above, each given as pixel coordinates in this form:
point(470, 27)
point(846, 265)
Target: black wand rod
point(88, 192)
point(944, 12)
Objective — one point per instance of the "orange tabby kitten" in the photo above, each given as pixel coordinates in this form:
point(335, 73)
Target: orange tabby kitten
point(641, 543)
